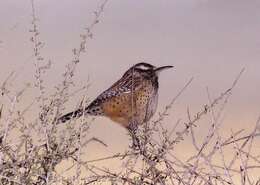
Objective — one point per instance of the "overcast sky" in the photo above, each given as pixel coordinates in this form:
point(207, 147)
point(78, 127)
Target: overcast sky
point(210, 40)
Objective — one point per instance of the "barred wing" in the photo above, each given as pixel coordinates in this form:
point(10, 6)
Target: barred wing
point(126, 84)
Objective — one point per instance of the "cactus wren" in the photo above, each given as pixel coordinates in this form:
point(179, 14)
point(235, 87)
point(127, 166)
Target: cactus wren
point(130, 100)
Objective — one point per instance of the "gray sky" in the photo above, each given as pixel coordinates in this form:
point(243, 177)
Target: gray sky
point(210, 40)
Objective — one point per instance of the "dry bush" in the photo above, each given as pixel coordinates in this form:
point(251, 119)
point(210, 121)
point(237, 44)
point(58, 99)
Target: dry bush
point(31, 150)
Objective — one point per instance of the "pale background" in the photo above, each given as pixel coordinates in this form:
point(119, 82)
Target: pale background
point(210, 40)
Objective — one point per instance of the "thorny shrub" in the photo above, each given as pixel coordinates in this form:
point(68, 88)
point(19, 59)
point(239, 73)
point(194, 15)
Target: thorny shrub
point(30, 151)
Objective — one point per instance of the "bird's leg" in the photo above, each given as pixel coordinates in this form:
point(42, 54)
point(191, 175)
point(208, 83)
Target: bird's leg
point(133, 128)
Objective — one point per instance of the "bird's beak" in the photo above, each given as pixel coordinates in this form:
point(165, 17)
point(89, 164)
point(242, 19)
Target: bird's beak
point(159, 69)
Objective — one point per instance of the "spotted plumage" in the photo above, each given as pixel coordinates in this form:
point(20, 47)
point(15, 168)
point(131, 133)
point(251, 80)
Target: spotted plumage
point(133, 98)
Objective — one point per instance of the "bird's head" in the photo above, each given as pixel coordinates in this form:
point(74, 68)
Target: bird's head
point(148, 69)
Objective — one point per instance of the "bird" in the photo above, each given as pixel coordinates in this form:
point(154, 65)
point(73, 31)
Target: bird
point(130, 101)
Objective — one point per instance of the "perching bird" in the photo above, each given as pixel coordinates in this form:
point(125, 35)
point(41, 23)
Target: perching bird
point(132, 100)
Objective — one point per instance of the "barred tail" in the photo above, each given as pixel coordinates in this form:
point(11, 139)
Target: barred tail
point(92, 109)
point(75, 114)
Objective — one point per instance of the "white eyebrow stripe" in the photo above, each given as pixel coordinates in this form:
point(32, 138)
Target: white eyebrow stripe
point(143, 67)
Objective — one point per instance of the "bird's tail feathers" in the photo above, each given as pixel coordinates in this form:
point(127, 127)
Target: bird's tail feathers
point(74, 114)
point(90, 110)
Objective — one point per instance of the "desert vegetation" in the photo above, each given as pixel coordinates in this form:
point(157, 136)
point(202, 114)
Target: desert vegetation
point(42, 152)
